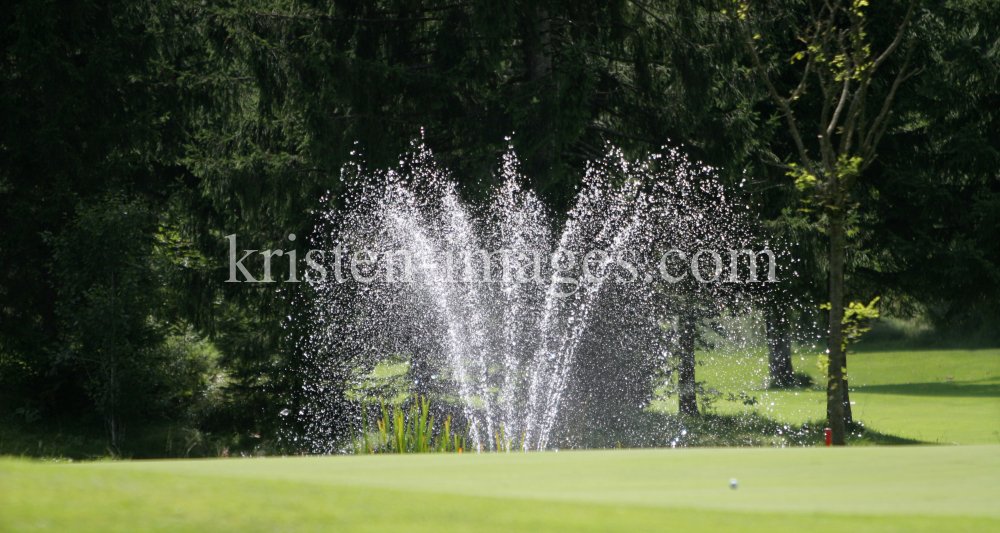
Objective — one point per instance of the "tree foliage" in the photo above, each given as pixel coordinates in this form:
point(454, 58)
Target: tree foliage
point(136, 136)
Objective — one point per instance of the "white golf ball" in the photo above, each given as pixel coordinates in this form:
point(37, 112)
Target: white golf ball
point(733, 483)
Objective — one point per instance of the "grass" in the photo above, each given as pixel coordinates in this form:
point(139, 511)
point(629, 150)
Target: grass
point(935, 396)
point(932, 396)
point(915, 488)
point(918, 333)
point(941, 396)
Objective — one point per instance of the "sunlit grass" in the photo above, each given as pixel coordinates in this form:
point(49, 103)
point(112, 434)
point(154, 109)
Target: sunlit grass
point(943, 396)
point(904, 489)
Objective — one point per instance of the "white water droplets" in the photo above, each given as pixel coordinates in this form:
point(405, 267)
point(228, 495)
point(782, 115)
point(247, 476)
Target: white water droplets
point(475, 303)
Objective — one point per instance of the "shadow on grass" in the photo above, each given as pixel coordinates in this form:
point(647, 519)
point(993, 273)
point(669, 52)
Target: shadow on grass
point(650, 429)
point(870, 436)
point(949, 389)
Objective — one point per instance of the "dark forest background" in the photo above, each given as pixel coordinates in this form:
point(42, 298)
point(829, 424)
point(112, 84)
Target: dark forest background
point(136, 135)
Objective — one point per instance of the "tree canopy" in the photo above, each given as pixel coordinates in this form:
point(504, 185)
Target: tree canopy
point(135, 137)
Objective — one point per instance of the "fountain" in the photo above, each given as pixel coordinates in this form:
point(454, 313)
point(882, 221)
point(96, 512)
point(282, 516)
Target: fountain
point(491, 308)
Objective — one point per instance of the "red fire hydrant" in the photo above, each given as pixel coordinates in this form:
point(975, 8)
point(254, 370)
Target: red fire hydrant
point(828, 433)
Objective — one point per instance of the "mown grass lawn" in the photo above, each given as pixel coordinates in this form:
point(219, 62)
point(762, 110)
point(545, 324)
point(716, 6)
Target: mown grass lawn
point(933, 396)
point(913, 488)
point(943, 396)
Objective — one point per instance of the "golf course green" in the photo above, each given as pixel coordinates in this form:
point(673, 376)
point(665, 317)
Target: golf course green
point(936, 397)
point(913, 488)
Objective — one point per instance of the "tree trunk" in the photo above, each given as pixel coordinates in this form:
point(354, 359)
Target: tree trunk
point(780, 349)
point(838, 361)
point(538, 47)
point(538, 72)
point(685, 379)
point(848, 415)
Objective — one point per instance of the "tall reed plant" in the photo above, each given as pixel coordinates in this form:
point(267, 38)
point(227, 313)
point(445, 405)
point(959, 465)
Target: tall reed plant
point(408, 430)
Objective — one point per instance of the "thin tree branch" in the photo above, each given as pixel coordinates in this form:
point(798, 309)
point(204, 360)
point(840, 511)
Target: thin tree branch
point(854, 113)
point(840, 106)
point(782, 103)
point(878, 125)
point(899, 37)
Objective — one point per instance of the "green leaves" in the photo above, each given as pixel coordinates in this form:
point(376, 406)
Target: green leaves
point(402, 430)
point(856, 320)
point(804, 181)
point(108, 289)
point(823, 364)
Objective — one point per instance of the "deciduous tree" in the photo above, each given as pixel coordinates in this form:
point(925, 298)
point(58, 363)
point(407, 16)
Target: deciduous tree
point(850, 114)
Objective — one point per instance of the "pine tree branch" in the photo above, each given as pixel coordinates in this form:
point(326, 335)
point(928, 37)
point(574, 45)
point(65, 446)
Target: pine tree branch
point(598, 127)
point(426, 10)
point(646, 9)
point(327, 18)
point(302, 170)
point(373, 117)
